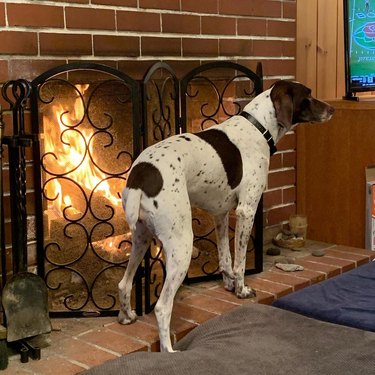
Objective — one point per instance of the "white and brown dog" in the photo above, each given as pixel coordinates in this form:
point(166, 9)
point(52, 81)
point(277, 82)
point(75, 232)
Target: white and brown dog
point(220, 168)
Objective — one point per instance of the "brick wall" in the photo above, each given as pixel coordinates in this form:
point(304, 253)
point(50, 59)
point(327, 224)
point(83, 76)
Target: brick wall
point(132, 34)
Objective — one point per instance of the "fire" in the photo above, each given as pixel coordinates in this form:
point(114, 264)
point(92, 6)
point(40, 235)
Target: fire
point(66, 148)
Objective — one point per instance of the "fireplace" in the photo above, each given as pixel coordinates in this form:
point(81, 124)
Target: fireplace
point(88, 124)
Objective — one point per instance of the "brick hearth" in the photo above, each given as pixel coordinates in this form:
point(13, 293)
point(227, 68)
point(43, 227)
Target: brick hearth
point(77, 344)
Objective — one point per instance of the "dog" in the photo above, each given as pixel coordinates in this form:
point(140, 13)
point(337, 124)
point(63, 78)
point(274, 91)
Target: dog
point(217, 169)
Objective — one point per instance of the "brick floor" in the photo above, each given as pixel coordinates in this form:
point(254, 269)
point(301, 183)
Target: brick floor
point(77, 344)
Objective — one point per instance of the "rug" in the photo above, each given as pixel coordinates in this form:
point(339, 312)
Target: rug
point(257, 339)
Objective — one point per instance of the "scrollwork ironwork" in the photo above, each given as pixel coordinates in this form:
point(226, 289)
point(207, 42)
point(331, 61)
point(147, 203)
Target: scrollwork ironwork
point(89, 125)
point(210, 109)
point(103, 115)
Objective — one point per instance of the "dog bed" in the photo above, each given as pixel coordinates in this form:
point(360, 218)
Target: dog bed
point(347, 299)
point(257, 339)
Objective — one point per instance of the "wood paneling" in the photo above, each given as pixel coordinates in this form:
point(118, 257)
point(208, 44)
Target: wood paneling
point(320, 47)
point(331, 164)
point(306, 46)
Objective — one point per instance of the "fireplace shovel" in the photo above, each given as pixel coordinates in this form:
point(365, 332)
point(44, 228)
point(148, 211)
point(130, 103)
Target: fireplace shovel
point(24, 296)
point(25, 302)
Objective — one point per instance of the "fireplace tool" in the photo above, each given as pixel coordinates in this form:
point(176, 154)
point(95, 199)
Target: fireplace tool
point(24, 296)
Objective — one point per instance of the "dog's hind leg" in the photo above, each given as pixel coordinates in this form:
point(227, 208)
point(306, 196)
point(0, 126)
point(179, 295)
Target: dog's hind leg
point(244, 223)
point(141, 238)
point(225, 258)
point(177, 249)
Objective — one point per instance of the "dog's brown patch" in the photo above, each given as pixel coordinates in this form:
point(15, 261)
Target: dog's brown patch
point(147, 177)
point(228, 152)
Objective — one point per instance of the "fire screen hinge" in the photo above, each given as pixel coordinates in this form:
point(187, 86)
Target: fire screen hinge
point(179, 126)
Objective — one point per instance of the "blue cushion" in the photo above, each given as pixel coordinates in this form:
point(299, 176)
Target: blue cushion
point(348, 299)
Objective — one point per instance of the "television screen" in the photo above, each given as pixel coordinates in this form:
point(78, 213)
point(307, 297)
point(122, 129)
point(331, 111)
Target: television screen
point(359, 25)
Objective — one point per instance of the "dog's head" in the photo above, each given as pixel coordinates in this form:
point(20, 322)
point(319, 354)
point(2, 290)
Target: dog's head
point(294, 104)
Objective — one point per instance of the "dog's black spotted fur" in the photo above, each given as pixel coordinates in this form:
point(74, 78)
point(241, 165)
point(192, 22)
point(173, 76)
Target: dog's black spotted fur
point(145, 176)
point(228, 152)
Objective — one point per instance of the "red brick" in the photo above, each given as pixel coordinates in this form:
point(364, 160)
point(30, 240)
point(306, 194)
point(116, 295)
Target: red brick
point(112, 45)
point(30, 69)
point(313, 276)
point(130, 3)
point(91, 74)
point(34, 15)
point(279, 214)
point(289, 9)
point(138, 21)
point(149, 319)
point(268, 82)
point(326, 269)
point(75, 1)
point(286, 279)
point(183, 67)
point(251, 64)
point(268, 48)
point(199, 47)
point(288, 49)
point(235, 47)
point(209, 303)
point(4, 76)
point(289, 195)
point(116, 342)
point(65, 44)
point(2, 14)
point(281, 178)
point(281, 29)
point(218, 25)
point(272, 198)
point(175, 23)
point(265, 8)
point(192, 313)
point(344, 264)
point(198, 6)
point(180, 328)
point(84, 18)
point(251, 27)
point(355, 250)
point(276, 161)
point(265, 298)
point(274, 48)
point(79, 350)
point(359, 259)
point(277, 289)
point(18, 43)
point(226, 296)
point(154, 46)
point(139, 331)
point(279, 67)
point(135, 69)
point(46, 366)
point(289, 159)
point(157, 4)
point(288, 142)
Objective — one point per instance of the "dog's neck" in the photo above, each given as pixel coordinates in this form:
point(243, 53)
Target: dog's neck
point(261, 107)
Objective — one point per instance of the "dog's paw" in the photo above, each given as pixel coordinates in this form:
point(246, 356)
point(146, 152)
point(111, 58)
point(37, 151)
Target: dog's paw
point(228, 283)
point(245, 292)
point(127, 317)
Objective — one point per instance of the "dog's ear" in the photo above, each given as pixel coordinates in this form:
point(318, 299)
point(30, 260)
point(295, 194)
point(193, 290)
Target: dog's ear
point(283, 104)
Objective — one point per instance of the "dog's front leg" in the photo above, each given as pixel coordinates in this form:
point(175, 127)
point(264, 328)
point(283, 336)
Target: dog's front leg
point(245, 219)
point(225, 259)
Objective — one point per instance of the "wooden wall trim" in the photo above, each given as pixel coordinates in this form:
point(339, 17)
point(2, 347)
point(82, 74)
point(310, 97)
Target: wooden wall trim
point(320, 47)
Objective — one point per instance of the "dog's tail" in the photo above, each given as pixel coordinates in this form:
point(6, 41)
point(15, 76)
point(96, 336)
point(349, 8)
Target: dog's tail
point(131, 201)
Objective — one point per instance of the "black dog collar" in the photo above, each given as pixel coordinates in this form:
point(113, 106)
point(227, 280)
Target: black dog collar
point(266, 134)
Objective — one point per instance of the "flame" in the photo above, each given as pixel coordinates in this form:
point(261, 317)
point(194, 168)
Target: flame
point(65, 148)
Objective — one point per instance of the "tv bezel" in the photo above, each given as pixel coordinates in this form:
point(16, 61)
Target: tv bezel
point(350, 91)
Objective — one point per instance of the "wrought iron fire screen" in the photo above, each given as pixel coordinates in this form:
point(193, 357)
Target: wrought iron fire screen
point(88, 124)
